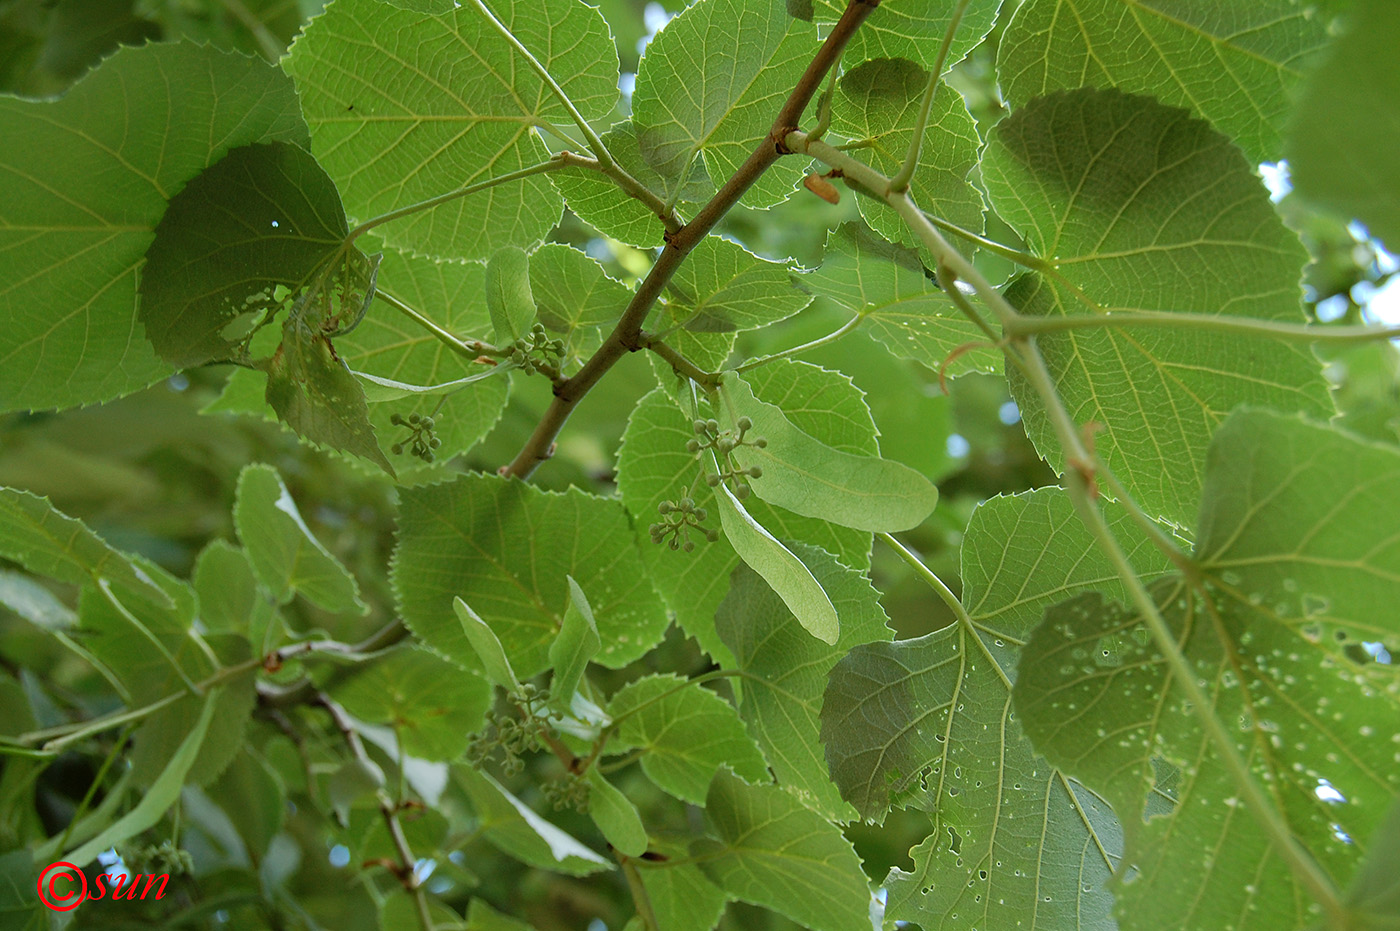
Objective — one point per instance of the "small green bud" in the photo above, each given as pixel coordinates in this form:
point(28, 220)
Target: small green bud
point(396, 419)
point(761, 442)
point(712, 425)
point(664, 507)
point(701, 513)
point(712, 480)
point(712, 535)
point(414, 419)
point(428, 423)
point(687, 504)
point(396, 449)
point(745, 423)
point(741, 491)
point(434, 443)
point(689, 546)
point(699, 427)
point(756, 471)
point(428, 455)
point(692, 446)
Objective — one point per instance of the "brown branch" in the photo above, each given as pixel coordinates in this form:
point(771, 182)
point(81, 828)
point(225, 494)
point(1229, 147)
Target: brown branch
point(626, 336)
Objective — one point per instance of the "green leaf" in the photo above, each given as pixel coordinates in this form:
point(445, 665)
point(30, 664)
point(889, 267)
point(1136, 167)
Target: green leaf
point(463, 107)
point(575, 646)
point(508, 824)
point(682, 898)
point(1344, 142)
point(1006, 830)
point(785, 670)
point(723, 287)
point(616, 817)
point(390, 345)
point(601, 203)
point(1374, 896)
point(653, 466)
point(877, 105)
point(313, 392)
point(432, 707)
point(355, 780)
point(575, 296)
point(230, 599)
point(487, 647)
point(82, 196)
point(808, 477)
point(783, 571)
point(48, 542)
point(912, 29)
point(508, 297)
point(1235, 63)
point(888, 287)
point(1140, 206)
point(482, 917)
point(750, 57)
point(512, 547)
point(286, 557)
point(255, 799)
point(1297, 561)
point(253, 234)
point(688, 732)
point(156, 801)
point(775, 853)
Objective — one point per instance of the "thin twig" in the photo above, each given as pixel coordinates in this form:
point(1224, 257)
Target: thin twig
point(678, 362)
point(831, 337)
point(625, 336)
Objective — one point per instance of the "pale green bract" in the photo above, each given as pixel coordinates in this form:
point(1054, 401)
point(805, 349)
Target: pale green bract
point(808, 477)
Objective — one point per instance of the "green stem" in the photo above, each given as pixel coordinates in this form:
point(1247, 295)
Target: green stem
point(595, 144)
point(1024, 259)
point(900, 182)
point(831, 337)
point(1276, 329)
point(678, 362)
point(640, 899)
point(467, 350)
point(553, 164)
point(269, 43)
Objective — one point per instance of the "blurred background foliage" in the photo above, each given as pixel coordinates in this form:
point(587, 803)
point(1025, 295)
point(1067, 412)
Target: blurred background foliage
point(154, 476)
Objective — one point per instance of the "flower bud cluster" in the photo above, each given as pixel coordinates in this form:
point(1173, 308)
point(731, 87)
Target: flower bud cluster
point(708, 436)
point(568, 791)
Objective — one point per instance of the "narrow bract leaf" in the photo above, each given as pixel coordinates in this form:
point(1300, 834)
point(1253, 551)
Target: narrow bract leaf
point(86, 179)
point(508, 296)
point(1234, 62)
point(785, 670)
point(487, 646)
point(156, 801)
point(808, 477)
point(779, 568)
point(615, 816)
point(1141, 207)
point(774, 852)
point(285, 555)
point(575, 646)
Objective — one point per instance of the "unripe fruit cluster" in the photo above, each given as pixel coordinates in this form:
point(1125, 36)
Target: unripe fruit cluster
point(536, 351)
point(422, 439)
point(677, 517)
